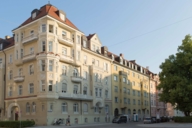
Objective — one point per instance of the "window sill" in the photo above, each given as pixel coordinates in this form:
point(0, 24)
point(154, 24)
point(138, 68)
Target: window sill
point(85, 112)
point(28, 113)
point(76, 112)
point(64, 112)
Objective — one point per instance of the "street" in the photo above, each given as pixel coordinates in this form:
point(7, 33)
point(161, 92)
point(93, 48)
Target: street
point(125, 125)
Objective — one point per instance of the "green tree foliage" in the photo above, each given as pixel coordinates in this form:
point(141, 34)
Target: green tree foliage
point(176, 78)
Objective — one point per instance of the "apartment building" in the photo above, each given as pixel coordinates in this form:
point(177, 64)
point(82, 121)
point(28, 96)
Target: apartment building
point(158, 108)
point(53, 70)
point(130, 88)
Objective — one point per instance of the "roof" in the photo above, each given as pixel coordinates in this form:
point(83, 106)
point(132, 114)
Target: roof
point(50, 10)
point(90, 36)
point(7, 42)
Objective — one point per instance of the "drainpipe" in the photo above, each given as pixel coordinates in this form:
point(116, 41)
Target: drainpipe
point(4, 82)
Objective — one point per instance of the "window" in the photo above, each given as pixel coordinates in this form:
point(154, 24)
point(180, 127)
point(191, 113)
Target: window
point(75, 89)
point(85, 91)
point(85, 107)
point(31, 88)
point(134, 102)
point(116, 89)
point(124, 90)
point(128, 91)
point(10, 59)
point(72, 53)
point(42, 65)
point(64, 51)
point(33, 107)
point(124, 79)
point(93, 48)
point(105, 67)
point(100, 92)
point(33, 15)
point(96, 92)
point(32, 33)
point(106, 80)
point(20, 72)
point(75, 72)
point(64, 107)
point(50, 28)
point(27, 108)
point(20, 89)
point(31, 50)
point(75, 108)
point(139, 93)
point(85, 59)
point(97, 108)
point(78, 39)
point(17, 54)
point(85, 75)
point(86, 120)
point(133, 74)
point(106, 93)
point(50, 85)
point(10, 74)
point(43, 85)
point(31, 70)
point(139, 102)
point(1, 60)
point(97, 63)
point(115, 67)
point(64, 88)
point(106, 108)
point(128, 82)
point(93, 61)
point(133, 83)
point(10, 91)
point(121, 61)
point(43, 27)
point(51, 107)
point(116, 99)
point(125, 100)
point(50, 46)
point(84, 44)
point(98, 119)
point(64, 34)
point(51, 65)
point(21, 53)
point(1, 46)
point(133, 92)
point(43, 46)
point(64, 70)
point(128, 101)
point(96, 77)
point(95, 119)
point(115, 78)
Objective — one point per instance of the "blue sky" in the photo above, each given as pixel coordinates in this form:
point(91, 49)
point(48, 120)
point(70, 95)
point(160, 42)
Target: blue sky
point(129, 24)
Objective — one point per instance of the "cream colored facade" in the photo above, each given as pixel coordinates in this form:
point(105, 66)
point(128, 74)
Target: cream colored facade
point(130, 88)
point(53, 71)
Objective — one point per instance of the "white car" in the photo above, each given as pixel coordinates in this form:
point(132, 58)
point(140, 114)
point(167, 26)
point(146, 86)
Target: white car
point(147, 120)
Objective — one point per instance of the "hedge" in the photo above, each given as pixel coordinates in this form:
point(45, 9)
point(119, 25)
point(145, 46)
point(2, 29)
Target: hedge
point(186, 119)
point(16, 124)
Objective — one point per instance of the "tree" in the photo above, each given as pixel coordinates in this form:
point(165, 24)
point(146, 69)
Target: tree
point(176, 78)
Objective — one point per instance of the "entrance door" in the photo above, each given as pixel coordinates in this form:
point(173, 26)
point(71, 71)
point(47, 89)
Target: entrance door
point(16, 116)
point(116, 112)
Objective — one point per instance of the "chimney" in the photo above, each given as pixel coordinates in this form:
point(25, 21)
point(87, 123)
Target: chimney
point(104, 50)
point(147, 67)
point(121, 55)
point(7, 37)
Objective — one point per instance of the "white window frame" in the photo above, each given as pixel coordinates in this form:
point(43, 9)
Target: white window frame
point(31, 88)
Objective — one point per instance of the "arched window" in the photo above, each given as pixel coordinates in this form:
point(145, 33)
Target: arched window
point(27, 108)
point(75, 72)
point(33, 107)
point(85, 107)
point(75, 108)
point(75, 89)
point(85, 90)
point(64, 107)
point(64, 88)
point(106, 108)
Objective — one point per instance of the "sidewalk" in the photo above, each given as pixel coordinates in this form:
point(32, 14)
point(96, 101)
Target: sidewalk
point(167, 125)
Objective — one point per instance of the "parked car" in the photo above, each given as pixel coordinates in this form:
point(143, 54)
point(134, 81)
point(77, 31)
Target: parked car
point(153, 119)
point(120, 119)
point(147, 120)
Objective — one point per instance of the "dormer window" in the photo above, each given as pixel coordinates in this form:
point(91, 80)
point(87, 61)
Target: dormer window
point(62, 16)
point(1, 46)
point(125, 63)
point(129, 65)
point(121, 60)
point(84, 44)
point(34, 15)
point(141, 70)
point(135, 67)
point(112, 57)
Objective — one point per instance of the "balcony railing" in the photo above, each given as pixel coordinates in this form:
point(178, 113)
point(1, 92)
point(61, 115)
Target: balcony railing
point(76, 78)
point(64, 40)
point(75, 96)
point(19, 78)
point(65, 58)
point(30, 38)
point(29, 57)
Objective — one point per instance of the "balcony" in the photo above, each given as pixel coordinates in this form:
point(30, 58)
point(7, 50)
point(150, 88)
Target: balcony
point(18, 62)
point(19, 78)
point(75, 96)
point(30, 38)
point(76, 79)
point(66, 41)
point(65, 58)
point(29, 57)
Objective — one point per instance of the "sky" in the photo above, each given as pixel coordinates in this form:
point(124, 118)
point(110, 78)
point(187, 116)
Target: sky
point(147, 31)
